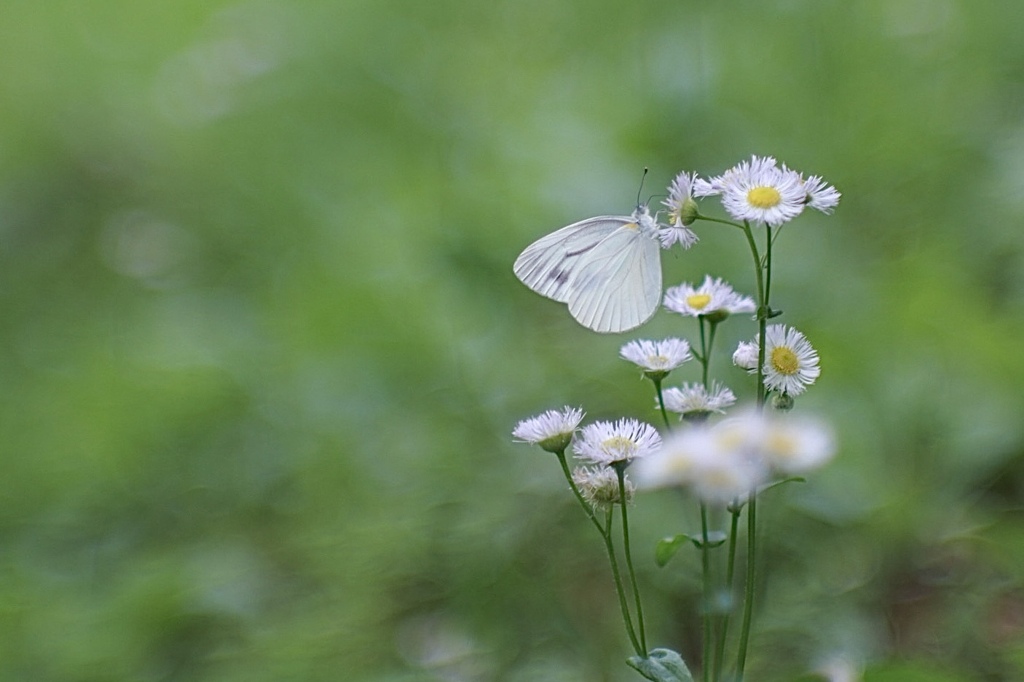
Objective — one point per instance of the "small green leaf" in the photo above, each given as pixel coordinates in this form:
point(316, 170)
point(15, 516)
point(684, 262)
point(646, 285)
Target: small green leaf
point(667, 548)
point(661, 665)
point(715, 539)
point(791, 479)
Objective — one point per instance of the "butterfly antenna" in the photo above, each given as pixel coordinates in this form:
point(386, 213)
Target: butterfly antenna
point(641, 188)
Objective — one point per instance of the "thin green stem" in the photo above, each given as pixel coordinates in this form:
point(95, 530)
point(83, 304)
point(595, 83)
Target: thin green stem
point(767, 263)
point(719, 220)
point(729, 573)
point(620, 590)
point(587, 509)
point(758, 273)
point(763, 273)
point(711, 343)
point(705, 359)
point(606, 535)
point(706, 579)
point(763, 309)
point(748, 604)
point(620, 470)
point(661, 404)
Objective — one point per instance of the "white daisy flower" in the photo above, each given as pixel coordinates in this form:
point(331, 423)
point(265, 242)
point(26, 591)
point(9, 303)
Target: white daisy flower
point(682, 211)
point(746, 354)
point(677, 234)
point(790, 362)
point(707, 188)
point(706, 461)
point(760, 191)
point(600, 486)
point(552, 430)
point(608, 443)
point(819, 195)
point(657, 358)
point(696, 403)
point(712, 297)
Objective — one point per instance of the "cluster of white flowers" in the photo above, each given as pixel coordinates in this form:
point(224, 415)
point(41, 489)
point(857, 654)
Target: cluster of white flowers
point(606, 445)
point(757, 191)
point(726, 462)
point(720, 456)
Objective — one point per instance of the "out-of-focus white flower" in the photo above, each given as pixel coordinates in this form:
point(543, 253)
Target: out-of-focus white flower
point(701, 459)
point(797, 444)
point(786, 443)
point(551, 430)
point(618, 442)
point(728, 461)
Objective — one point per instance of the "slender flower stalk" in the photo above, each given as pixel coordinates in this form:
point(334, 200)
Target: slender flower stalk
point(763, 277)
point(723, 632)
point(620, 470)
point(661, 404)
point(606, 534)
point(705, 562)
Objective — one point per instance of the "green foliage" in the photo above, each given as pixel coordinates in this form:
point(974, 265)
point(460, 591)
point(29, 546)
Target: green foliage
point(262, 348)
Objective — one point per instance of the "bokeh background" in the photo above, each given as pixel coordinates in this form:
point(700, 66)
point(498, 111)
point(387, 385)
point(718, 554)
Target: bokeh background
point(261, 349)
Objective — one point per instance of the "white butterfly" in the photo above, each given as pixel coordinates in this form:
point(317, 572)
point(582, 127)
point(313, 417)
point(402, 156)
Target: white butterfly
point(608, 269)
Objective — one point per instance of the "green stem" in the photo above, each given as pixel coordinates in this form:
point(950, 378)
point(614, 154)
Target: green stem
point(748, 604)
point(704, 358)
point(763, 273)
point(620, 470)
point(767, 263)
point(606, 535)
point(711, 343)
point(719, 220)
point(729, 573)
point(661, 404)
point(706, 579)
point(587, 509)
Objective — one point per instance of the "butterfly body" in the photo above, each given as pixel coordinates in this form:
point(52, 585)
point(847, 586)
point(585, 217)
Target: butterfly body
point(607, 269)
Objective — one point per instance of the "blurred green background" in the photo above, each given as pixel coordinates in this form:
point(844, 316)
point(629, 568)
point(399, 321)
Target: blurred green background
point(262, 348)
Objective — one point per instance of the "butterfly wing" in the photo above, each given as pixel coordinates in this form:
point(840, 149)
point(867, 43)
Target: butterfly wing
point(549, 265)
point(618, 285)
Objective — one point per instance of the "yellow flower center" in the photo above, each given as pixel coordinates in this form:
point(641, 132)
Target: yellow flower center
point(784, 360)
point(764, 197)
point(617, 442)
point(782, 444)
point(698, 301)
point(619, 445)
point(658, 361)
